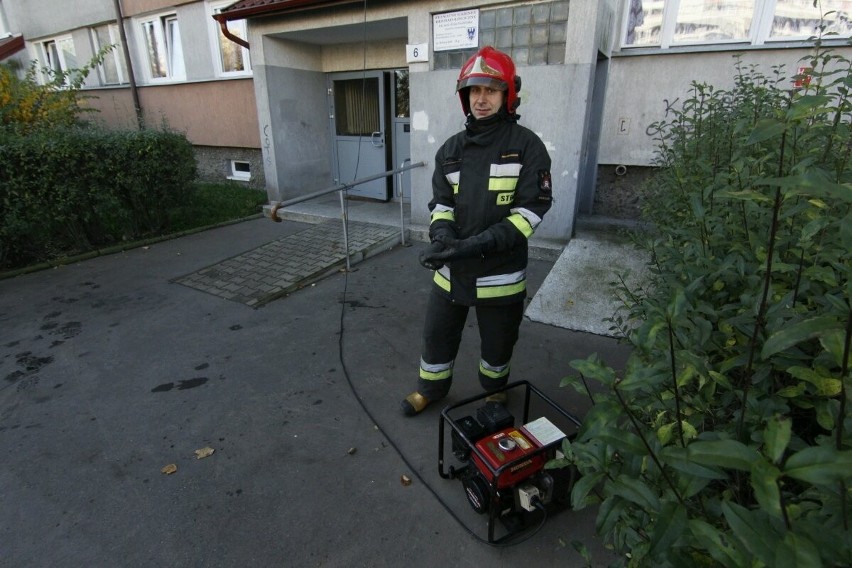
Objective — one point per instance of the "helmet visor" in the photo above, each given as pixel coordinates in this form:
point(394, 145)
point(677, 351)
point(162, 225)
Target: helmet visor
point(484, 81)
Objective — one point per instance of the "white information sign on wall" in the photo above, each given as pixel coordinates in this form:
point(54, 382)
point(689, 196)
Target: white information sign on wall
point(455, 30)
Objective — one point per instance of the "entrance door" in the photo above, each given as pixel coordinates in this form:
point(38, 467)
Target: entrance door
point(401, 133)
point(358, 129)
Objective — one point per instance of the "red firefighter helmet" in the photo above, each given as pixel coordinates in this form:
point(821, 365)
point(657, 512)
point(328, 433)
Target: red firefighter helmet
point(492, 68)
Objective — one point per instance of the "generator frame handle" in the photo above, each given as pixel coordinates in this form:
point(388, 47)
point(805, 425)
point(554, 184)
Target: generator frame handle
point(445, 418)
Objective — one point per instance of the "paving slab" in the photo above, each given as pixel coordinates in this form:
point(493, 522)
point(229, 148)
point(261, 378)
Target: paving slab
point(282, 266)
point(577, 293)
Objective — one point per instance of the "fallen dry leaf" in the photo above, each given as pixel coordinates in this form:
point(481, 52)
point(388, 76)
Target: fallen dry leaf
point(169, 469)
point(204, 453)
point(405, 480)
point(351, 451)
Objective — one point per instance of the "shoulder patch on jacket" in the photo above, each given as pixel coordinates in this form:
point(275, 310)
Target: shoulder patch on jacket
point(545, 186)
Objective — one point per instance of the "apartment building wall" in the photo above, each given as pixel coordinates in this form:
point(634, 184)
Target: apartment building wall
point(40, 18)
point(216, 111)
point(291, 59)
point(661, 77)
point(642, 80)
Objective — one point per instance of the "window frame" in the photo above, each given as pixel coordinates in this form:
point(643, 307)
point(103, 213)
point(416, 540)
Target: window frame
point(238, 175)
point(44, 56)
point(759, 35)
point(117, 53)
point(161, 21)
point(213, 8)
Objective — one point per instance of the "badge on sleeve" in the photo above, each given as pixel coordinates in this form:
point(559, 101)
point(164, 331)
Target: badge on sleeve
point(545, 186)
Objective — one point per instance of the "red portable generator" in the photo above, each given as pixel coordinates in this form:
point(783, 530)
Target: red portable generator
point(502, 467)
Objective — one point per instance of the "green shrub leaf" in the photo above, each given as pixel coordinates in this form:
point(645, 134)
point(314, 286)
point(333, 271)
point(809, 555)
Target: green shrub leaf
point(752, 530)
point(820, 465)
point(796, 333)
point(797, 551)
point(776, 436)
point(669, 525)
point(764, 482)
point(723, 453)
point(677, 458)
point(765, 129)
point(635, 491)
point(716, 543)
point(826, 385)
point(581, 489)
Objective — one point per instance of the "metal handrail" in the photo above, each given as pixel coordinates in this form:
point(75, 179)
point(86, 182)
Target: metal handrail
point(401, 196)
point(276, 205)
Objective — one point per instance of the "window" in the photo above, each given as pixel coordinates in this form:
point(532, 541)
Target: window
point(668, 23)
point(799, 19)
point(240, 170)
point(58, 56)
point(112, 71)
point(356, 104)
point(162, 44)
point(231, 57)
point(533, 34)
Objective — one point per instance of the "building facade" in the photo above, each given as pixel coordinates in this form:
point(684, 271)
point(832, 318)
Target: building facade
point(302, 95)
point(170, 66)
point(596, 74)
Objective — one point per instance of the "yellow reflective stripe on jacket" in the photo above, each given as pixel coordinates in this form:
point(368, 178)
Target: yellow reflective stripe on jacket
point(533, 219)
point(500, 285)
point(442, 212)
point(502, 184)
point(442, 280)
point(500, 291)
point(503, 177)
point(521, 223)
point(453, 180)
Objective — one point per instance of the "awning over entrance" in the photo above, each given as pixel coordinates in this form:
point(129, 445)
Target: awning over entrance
point(253, 8)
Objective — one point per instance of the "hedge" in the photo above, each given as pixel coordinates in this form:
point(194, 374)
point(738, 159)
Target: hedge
point(65, 191)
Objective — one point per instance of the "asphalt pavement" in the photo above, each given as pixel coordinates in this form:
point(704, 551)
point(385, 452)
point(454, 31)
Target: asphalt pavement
point(113, 370)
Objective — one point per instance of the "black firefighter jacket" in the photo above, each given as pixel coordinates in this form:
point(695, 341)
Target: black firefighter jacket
point(492, 177)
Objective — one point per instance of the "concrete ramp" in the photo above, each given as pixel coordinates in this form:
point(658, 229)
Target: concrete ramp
point(576, 294)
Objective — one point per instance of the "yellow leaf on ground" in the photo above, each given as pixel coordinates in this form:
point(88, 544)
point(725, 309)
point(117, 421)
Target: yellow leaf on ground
point(169, 469)
point(204, 452)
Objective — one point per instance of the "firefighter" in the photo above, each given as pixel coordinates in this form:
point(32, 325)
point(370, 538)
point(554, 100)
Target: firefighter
point(490, 189)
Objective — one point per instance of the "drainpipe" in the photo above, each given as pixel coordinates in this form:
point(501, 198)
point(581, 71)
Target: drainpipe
point(133, 90)
point(223, 25)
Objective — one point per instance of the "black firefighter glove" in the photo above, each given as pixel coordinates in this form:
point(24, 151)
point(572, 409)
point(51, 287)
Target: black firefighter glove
point(471, 247)
point(437, 232)
point(428, 256)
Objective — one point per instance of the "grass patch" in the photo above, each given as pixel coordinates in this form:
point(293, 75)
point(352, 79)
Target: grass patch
point(214, 203)
point(209, 204)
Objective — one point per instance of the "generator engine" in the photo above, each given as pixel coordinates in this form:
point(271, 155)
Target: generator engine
point(504, 474)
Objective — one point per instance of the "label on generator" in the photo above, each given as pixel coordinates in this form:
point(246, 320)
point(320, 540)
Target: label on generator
point(544, 431)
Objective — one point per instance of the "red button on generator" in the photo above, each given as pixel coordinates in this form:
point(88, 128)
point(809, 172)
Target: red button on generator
point(508, 446)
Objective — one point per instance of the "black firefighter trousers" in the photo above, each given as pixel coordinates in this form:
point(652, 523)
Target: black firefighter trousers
point(442, 334)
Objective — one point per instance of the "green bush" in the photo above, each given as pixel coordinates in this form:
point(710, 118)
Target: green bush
point(726, 440)
point(29, 104)
point(75, 189)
